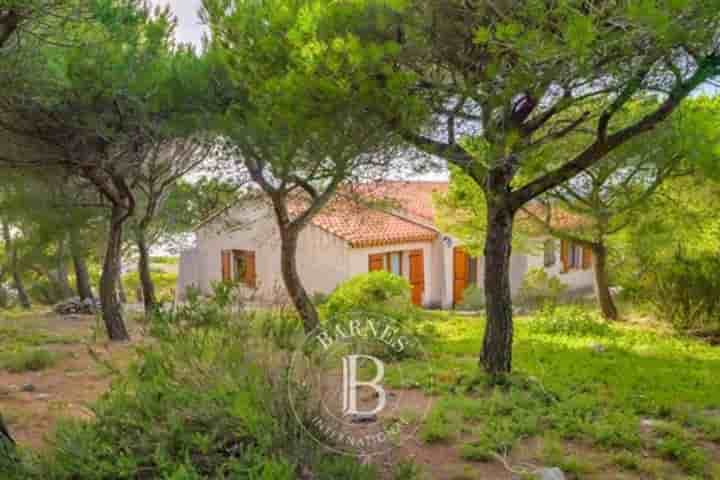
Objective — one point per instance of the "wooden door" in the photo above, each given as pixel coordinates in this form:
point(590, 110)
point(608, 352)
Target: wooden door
point(417, 275)
point(461, 260)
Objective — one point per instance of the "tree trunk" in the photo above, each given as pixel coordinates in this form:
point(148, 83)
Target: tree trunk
point(122, 294)
point(111, 307)
point(63, 279)
point(148, 287)
point(496, 356)
point(602, 285)
point(23, 297)
point(82, 275)
point(298, 295)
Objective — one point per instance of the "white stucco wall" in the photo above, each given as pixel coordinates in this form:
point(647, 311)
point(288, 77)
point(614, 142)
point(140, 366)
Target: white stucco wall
point(576, 280)
point(188, 273)
point(322, 258)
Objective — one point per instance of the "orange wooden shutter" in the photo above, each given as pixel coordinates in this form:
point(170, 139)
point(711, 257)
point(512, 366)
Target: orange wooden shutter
point(376, 263)
point(417, 276)
point(587, 258)
point(226, 258)
point(565, 255)
point(250, 272)
point(460, 274)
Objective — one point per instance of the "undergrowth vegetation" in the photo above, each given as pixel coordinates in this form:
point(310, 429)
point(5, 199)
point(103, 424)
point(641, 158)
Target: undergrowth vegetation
point(205, 400)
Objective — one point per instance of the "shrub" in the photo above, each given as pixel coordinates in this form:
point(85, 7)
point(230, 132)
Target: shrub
point(539, 288)
point(473, 299)
point(569, 320)
point(683, 291)
point(28, 360)
point(383, 298)
point(377, 291)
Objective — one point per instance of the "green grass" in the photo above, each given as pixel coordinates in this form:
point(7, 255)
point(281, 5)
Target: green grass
point(33, 360)
point(579, 381)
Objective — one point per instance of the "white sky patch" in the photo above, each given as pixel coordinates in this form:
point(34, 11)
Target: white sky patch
point(190, 29)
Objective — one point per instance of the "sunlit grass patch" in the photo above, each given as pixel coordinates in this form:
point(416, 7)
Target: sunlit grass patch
point(588, 381)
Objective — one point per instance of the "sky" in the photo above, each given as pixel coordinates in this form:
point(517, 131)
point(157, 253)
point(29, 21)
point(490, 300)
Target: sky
point(190, 29)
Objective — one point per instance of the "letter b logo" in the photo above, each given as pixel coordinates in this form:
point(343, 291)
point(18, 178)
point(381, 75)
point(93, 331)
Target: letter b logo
point(351, 385)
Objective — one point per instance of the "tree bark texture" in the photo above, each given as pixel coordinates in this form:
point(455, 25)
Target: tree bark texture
point(63, 279)
point(82, 275)
point(602, 285)
point(301, 300)
point(496, 356)
point(111, 307)
point(146, 281)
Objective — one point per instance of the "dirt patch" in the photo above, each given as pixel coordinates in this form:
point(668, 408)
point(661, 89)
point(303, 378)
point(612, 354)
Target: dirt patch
point(32, 403)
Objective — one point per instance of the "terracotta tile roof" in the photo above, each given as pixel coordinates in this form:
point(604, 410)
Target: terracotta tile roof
point(413, 199)
point(398, 212)
point(364, 226)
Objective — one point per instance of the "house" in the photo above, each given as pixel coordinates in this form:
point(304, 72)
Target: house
point(349, 238)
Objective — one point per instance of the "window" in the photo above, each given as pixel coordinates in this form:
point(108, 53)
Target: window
point(395, 263)
point(549, 253)
point(390, 262)
point(575, 256)
point(239, 266)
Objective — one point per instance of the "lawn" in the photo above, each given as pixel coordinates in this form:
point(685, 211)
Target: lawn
point(625, 401)
point(597, 400)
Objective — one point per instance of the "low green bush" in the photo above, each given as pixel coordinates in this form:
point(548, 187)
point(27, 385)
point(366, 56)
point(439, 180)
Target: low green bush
point(376, 291)
point(683, 292)
point(539, 288)
point(384, 299)
point(569, 320)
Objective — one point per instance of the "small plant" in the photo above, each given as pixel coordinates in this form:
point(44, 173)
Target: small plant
point(407, 470)
point(473, 299)
point(28, 360)
point(477, 452)
point(539, 288)
point(676, 444)
point(436, 428)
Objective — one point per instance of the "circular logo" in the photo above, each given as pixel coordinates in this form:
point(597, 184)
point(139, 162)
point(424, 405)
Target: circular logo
point(350, 385)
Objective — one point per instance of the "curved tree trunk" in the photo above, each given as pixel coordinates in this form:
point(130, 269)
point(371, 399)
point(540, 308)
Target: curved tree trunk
point(602, 285)
point(82, 275)
point(496, 356)
point(298, 295)
point(111, 307)
point(146, 281)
